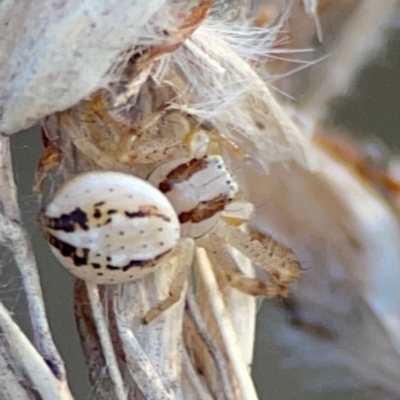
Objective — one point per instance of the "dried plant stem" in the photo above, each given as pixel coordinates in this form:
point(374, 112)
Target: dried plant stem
point(195, 315)
point(105, 340)
point(225, 326)
point(25, 260)
point(147, 356)
point(139, 365)
point(16, 239)
point(24, 370)
point(9, 381)
point(198, 389)
point(8, 194)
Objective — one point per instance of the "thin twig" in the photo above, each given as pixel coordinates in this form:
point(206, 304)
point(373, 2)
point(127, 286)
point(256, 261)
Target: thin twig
point(194, 313)
point(139, 365)
point(25, 357)
point(196, 386)
point(18, 241)
point(105, 340)
point(225, 327)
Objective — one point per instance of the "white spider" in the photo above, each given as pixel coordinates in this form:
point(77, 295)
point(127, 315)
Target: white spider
point(111, 227)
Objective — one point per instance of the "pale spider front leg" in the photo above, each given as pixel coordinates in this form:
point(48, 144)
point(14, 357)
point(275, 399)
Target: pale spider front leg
point(184, 254)
point(278, 261)
point(220, 256)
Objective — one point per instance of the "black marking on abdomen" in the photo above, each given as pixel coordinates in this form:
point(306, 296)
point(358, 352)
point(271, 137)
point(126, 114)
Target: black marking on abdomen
point(137, 263)
point(69, 251)
point(135, 214)
point(147, 211)
point(97, 213)
point(67, 222)
point(112, 267)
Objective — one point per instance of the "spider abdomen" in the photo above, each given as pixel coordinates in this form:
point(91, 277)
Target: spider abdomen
point(109, 227)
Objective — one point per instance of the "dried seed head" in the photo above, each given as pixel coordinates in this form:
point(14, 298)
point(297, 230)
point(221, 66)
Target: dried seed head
point(109, 227)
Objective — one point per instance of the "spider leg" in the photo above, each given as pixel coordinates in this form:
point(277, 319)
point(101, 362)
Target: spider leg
point(184, 254)
point(255, 287)
point(278, 261)
point(221, 257)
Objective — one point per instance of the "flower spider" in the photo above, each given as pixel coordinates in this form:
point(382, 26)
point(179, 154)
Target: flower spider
point(111, 227)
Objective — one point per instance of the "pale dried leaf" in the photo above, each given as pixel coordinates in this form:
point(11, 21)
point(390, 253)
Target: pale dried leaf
point(66, 50)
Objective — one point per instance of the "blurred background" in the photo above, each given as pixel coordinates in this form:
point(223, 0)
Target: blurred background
point(283, 366)
point(289, 363)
